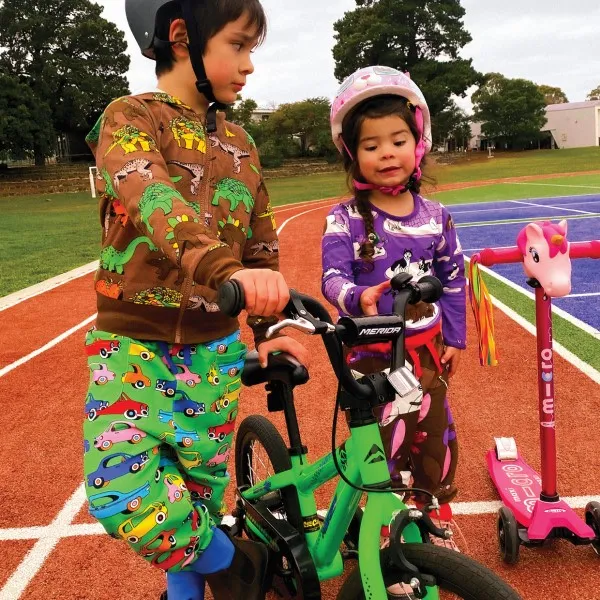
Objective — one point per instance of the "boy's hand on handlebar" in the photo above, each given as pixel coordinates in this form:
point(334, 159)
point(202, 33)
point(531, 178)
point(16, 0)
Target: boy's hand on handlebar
point(370, 297)
point(265, 291)
point(450, 359)
point(282, 344)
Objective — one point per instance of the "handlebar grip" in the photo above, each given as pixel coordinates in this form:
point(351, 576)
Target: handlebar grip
point(431, 288)
point(589, 249)
point(230, 298)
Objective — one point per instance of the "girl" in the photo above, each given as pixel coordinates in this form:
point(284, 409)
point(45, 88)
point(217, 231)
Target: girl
point(380, 123)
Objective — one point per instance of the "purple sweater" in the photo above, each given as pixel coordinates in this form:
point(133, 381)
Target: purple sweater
point(422, 243)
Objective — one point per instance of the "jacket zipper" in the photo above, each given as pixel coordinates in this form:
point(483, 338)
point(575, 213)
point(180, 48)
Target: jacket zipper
point(186, 289)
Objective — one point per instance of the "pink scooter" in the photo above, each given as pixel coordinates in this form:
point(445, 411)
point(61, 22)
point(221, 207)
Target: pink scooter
point(533, 512)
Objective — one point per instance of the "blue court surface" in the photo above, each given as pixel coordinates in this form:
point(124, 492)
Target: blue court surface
point(496, 224)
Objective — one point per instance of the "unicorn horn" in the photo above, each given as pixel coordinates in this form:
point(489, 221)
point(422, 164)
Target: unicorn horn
point(557, 239)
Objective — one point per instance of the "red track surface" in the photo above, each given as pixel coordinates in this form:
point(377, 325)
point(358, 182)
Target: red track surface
point(41, 424)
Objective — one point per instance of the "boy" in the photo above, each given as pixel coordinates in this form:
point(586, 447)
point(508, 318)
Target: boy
point(183, 208)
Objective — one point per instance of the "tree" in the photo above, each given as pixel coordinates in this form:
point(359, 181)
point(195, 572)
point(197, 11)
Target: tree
point(420, 37)
point(305, 120)
point(452, 122)
point(594, 94)
point(70, 57)
point(553, 95)
point(241, 112)
point(24, 122)
point(511, 110)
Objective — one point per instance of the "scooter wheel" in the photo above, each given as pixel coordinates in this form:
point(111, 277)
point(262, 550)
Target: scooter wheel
point(592, 518)
point(508, 536)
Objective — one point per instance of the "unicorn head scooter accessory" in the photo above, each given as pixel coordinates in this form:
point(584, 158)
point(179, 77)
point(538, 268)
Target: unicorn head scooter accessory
point(546, 258)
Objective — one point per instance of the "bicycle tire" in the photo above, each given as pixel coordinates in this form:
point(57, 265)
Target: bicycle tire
point(453, 571)
point(257, 428)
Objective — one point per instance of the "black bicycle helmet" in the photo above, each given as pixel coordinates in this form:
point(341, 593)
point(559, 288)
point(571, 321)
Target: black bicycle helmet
point(142, 17)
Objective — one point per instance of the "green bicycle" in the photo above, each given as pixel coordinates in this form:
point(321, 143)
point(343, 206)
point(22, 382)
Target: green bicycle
point(276, 483)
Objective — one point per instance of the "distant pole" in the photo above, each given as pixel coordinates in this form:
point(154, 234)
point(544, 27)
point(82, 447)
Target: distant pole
point(92, 182)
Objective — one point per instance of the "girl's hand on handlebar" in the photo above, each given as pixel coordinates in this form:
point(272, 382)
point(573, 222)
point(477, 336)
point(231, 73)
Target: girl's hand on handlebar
point(282, 344)
point(265, 291)
point(450, 358)
point(370, 297)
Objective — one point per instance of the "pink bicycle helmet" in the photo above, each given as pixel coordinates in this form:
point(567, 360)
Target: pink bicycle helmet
point(377, 81)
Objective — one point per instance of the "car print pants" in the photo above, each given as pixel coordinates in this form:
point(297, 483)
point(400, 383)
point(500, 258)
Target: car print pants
point(158, 431)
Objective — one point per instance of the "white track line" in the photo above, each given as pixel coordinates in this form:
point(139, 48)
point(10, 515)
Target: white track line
point(49, 536)
point(487, 507)
point(581, 295)
point(594, 198)
point(62, 336)
point(482, 507)
point(45, 286)
point(526, 220)
point(558, 348)
point(35, 558)
point(289, 207)
point(555, 309)
point(584, 212)
point(45, 347)
point(586, 187)
point(298, 215)
point(54, 282)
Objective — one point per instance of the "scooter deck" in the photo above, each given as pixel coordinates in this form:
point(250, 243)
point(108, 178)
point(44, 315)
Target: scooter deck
point(520, 487)
point(517, 483)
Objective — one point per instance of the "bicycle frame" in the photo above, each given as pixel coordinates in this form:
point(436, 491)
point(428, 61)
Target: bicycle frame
point(363, 462)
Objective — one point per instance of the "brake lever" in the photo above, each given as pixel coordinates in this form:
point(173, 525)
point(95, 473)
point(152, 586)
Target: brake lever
point(299, 323)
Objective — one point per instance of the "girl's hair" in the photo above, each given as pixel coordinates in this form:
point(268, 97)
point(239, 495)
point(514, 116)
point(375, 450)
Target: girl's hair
point(373, 108)
point(212, 16)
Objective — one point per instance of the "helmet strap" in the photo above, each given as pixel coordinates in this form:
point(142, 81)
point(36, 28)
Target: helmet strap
point(346, 147)
point(394, 190)
point(203, 84)
point(420, 149)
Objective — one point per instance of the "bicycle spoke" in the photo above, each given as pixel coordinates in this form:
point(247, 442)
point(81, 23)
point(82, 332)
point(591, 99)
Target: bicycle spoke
point(254, 456)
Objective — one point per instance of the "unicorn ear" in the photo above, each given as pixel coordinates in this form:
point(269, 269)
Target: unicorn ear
point(534, 233)
point(563, 227)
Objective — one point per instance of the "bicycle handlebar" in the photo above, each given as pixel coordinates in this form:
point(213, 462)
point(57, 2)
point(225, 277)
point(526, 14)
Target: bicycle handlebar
point(316, 319)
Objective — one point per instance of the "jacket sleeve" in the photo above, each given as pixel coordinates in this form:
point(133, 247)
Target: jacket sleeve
point(337, 247)
point(449, 267)
point(261, 250)
point(129, 160)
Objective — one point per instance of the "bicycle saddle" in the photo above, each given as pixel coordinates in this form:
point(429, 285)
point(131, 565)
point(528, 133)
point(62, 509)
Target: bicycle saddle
point(281, 367)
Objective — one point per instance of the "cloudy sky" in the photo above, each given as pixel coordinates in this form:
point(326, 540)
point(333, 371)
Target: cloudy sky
point(554, 42)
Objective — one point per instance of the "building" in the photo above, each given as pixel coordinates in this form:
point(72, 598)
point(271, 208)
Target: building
point(262, 114)
point(574, 124)
point(568, 125)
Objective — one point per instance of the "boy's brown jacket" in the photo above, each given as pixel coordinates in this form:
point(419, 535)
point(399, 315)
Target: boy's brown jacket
point(181, 211)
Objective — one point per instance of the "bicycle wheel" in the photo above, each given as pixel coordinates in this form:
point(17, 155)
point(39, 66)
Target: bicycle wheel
point(457, 575)
point(259, 453)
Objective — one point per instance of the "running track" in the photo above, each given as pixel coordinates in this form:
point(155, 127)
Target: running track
point(50, 548)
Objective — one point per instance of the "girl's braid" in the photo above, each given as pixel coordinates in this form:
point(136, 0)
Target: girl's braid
point(367, 248)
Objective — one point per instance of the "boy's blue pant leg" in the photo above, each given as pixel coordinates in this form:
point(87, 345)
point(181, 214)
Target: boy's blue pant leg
point(185, 585)
point(217, 556)
point(189, 585)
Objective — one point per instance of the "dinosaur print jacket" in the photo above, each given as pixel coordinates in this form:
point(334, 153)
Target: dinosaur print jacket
point(181, 210)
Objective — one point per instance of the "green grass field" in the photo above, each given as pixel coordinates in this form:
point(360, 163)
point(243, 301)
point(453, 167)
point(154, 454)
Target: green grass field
point(579, 342)
point(476, 166)
point(47, 234)
point(576, 185)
